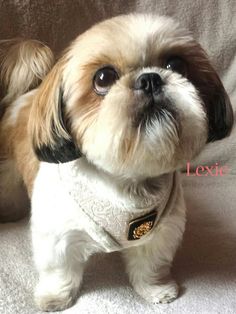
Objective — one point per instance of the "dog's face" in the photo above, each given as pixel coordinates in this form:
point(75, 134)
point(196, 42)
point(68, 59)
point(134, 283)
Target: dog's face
point(135, 94)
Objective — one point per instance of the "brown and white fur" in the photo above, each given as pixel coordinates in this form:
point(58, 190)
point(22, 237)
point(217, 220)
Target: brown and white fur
point(120, 135)
point(23, 65)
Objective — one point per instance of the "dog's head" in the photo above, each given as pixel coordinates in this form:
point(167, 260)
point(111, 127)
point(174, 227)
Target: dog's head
point(135, 94)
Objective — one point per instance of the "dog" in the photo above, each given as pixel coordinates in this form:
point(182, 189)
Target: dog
point(96, 145)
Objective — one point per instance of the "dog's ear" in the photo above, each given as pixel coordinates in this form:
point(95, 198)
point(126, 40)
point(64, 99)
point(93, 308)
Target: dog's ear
point(48, 124)
point(219, 111)
point(218, 107)
point(217, 103)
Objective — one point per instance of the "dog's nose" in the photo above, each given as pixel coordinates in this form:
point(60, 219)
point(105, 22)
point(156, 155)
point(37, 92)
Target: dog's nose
point(150, 83)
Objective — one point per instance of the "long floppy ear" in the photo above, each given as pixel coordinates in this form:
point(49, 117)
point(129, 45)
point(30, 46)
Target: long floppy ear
point(218, 106)
point(217, 103)
point(48, 124)
point(220, 113)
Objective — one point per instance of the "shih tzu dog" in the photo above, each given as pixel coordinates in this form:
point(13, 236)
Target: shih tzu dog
point(97, 146)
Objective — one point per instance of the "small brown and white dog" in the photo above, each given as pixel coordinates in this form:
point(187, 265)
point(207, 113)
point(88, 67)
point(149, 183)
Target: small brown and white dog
point(98, 144)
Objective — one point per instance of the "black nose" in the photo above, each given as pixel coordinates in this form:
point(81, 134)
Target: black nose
point(150, 83)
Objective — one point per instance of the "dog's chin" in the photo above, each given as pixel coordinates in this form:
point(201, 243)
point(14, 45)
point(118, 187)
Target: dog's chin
point(159, 149)
point(156, 153)
point(144, 164)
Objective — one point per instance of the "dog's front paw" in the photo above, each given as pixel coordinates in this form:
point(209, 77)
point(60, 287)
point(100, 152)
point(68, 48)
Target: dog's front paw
point(54, 302)
point(163, 293)
point(55, 296)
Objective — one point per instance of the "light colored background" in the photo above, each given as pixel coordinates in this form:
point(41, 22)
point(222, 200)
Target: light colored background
point(206, 264)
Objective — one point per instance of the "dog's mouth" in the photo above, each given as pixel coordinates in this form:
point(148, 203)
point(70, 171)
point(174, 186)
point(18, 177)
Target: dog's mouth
point(155, 109)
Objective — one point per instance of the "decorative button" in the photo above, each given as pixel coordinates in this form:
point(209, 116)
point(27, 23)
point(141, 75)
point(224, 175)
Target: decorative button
point(141, 226)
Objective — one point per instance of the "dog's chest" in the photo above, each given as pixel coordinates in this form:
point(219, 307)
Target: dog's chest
point(114, 217)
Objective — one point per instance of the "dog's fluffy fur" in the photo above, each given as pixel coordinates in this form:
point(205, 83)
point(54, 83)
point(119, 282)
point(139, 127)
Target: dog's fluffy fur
point(120, 137)
point(23, 65)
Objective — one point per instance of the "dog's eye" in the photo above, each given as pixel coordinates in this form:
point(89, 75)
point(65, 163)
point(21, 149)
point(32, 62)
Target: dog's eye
point(176, 64)
point(103, 80)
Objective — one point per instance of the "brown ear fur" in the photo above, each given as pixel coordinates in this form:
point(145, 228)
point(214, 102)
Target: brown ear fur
point(52, 141)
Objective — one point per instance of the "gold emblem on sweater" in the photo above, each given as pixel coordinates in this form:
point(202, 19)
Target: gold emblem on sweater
point(142, 229)
point(141, 226)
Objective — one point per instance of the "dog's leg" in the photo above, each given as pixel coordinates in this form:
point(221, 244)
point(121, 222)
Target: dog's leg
point(14, 202)
point(60, 261)
point(149, 265)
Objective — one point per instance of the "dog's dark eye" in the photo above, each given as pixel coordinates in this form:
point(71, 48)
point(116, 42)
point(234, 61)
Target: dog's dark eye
point(177, 64)
point(103, 80)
